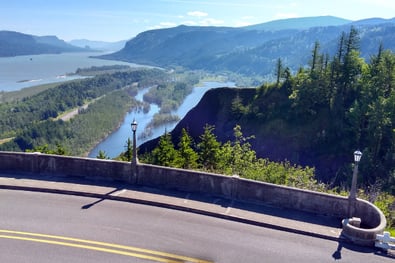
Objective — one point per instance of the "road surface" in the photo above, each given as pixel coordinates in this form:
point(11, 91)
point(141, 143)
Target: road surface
point(43, 227)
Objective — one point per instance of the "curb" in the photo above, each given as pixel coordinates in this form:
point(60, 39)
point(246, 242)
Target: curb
point(174, 207)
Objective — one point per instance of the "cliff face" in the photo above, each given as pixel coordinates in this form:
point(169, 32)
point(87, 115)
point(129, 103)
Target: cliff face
point(278, 139)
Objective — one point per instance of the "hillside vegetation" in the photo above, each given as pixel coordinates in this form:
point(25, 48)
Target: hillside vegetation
point(317, 117)
point(251, 50)
point(76, 115)
point(19, 44)
point(32, 122)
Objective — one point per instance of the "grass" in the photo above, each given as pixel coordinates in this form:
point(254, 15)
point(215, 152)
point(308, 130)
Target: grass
point(28, 92)
point(391, 230)
point(6, 140)
point(25, 92)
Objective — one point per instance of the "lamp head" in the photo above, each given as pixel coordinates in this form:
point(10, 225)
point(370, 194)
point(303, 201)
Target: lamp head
point(134, 125)
point(357, 156)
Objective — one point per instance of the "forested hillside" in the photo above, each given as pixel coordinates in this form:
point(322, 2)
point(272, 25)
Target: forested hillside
point(33, 122)
point(252, 50)
point(317, 117)
point(19, 44)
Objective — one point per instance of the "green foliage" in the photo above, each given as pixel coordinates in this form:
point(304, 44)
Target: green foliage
point(168, 96)
point(385, 203)
point(31, 121)
point(15, 116)
point(238, 109)
point(162, 118)
point(188, 156)
point(127, 155)
point(165, 154)
point(232, 157)
point(336, 106)
point(59, 150)
point(102, 155)
point(209, 149)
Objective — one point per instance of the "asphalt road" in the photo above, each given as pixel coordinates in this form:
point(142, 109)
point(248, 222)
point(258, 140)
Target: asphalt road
point(42, 227)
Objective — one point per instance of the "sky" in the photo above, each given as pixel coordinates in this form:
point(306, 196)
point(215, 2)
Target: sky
point(114, 20)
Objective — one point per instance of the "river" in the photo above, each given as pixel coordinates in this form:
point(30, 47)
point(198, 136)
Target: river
point(115, 143)
point(25, 71)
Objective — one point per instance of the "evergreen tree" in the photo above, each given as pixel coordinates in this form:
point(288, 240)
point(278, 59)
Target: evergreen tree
point(242, 154)
point(128, 154)
point(279, 71)
point(165, 154)
point(188, 157)
point(209, 148)
point(102, 155)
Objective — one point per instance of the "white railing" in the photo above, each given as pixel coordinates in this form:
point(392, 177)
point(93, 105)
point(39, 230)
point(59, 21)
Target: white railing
point(385, 241)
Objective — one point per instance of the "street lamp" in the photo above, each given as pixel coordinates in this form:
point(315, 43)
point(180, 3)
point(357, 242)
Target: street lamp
point(134, 157)
point(353, 192)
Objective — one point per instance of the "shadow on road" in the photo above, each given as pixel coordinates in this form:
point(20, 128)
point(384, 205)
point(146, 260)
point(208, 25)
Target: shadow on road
point(106, 196)
point(277, 212)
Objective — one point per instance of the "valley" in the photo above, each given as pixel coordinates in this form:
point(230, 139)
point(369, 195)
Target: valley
point(308, 96)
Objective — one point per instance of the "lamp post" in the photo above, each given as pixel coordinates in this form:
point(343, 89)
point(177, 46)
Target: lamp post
point(353, 192)
point(134, 155)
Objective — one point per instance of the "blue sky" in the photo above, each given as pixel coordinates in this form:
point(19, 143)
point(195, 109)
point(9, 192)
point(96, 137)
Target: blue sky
point(112, 20)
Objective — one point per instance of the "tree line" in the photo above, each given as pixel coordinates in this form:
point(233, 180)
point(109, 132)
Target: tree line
point(334, 106)
point(15, 116)
point(32, 124)
point(232, 158)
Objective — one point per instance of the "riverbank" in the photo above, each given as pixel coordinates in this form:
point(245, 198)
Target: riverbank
point(26, 71)
point(115, 142)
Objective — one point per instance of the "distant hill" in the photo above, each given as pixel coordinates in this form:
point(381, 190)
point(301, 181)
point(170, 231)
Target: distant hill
point(18, 44)
point(252, 50)
point(99, 45)
point(300, 23)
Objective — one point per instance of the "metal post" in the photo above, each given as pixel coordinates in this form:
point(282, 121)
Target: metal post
point(352, 198)
point(134, 159)
point(134, 154)
point(353, 192)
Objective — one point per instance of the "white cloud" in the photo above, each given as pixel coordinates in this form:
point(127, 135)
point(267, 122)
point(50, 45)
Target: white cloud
point(197, 14)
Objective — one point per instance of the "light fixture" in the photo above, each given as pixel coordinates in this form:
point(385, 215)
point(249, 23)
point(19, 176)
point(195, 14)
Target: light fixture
point(134, 125)
point(357, 156)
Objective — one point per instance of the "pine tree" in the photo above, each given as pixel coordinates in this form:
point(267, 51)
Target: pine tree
point(209, 148)
point(188, 157)
point(102, 155)
point(165, 154)
point(242, 154)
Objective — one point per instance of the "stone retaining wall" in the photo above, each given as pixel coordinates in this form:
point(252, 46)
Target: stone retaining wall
point(230, 187)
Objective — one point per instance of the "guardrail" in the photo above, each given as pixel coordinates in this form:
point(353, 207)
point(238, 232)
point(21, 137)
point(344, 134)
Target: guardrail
point(205, 183)
point(385, 241)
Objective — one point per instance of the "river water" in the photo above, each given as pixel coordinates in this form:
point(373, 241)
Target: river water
point(26, 71)
point(115, 143)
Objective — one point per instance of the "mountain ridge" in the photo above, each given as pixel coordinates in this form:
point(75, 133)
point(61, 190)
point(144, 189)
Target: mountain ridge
point(249, 51)
point(98, 45)
point(17, 44)
point(300, 23)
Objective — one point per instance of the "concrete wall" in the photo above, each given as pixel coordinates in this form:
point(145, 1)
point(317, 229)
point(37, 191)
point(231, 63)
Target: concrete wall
point(65, 166)
point(204, 183)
